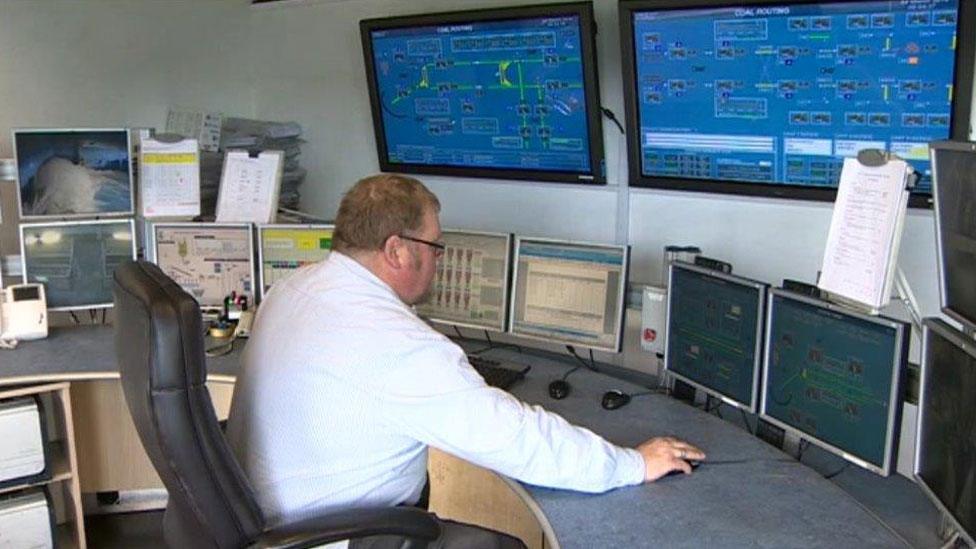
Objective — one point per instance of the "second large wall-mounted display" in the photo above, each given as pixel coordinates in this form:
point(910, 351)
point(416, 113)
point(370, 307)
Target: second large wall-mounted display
point(768, 98)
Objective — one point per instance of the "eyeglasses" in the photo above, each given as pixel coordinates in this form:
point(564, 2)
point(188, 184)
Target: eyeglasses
point(439, 247)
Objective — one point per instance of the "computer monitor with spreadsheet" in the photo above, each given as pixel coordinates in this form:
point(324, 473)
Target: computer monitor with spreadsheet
point(283, 249)
point(833, 376)
point(471, 285)
point(954, 182)
point(75, 260)
point(946, 435)
point(569, 292)
point(209, 260)
point(714, 336)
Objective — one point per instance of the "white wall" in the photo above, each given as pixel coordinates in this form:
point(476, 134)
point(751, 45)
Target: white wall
point(115, 63)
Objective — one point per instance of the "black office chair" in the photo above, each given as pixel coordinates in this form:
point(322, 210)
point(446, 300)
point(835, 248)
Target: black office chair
point(160, 349)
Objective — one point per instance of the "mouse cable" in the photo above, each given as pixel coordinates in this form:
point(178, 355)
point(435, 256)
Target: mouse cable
point(838, 471)
point(650, 392)
point(572, 351)
point(222, 349)
point(571, 370)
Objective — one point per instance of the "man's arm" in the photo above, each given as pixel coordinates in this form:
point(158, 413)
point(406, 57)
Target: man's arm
point(452, 409)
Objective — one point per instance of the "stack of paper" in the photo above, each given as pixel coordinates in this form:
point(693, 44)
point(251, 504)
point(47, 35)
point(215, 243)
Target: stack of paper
point(865, 232)
point(253, 136)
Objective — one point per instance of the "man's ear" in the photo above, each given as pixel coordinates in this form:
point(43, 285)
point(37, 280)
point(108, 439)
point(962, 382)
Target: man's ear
point(394, 252)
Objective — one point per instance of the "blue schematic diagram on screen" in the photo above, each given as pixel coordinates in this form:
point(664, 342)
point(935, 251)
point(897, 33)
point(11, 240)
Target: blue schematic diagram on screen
point(782, 94)
point(498, 94)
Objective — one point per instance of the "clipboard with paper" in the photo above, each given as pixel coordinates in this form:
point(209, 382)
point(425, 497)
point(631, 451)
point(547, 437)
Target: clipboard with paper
point(249, 187)
point(861, 254)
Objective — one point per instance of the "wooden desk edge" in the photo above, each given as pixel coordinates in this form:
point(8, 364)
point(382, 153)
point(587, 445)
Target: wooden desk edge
point(551, 540)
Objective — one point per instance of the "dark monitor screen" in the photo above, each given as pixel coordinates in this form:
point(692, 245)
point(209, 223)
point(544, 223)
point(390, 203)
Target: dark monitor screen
point(770, 97)
point(944, 462)
point(832, 376)
point(954, 164)
point(508, 93)
point(472, 281)
point(75, 260)
point(714, 333)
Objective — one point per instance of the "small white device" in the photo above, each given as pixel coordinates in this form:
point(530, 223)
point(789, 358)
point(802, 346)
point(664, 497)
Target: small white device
point(654, 307)
point(23, 312)
point(22, 453)
point(243, 328)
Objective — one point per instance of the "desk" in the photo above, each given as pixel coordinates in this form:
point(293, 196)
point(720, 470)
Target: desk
point(765, 502)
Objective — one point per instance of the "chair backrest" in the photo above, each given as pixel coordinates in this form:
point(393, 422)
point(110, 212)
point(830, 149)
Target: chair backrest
point(159, 345)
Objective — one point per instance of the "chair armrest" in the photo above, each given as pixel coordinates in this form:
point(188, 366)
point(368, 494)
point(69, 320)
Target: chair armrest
point(410, 522)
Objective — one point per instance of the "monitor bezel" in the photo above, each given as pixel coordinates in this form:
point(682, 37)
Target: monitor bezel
point(621, 297)
point(591, 89)
point(892, 427)
point(23, 255)
point(761, 288)
point(196, 224)
point(968, 346)
point(507, 289)
point(954, 146)
point(963, 74)
point(113, 215)
point(260, 245)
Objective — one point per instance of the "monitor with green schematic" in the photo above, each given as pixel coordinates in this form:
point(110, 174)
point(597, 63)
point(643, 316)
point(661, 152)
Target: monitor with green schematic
point(714, 335)
point(832, 376)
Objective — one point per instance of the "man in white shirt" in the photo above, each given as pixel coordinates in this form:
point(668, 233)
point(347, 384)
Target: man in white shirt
point(343, 387)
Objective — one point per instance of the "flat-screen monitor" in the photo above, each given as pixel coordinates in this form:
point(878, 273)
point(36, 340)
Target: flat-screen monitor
point(569, 292)
point(283, 249)
point(833, 376)
point(946, 444)
point(502, 93)
point(208, 260)
point(75, 260)
point(769, 97)
point(954, 169)
point(73, 173)
point(714, 336)
point(472, 281)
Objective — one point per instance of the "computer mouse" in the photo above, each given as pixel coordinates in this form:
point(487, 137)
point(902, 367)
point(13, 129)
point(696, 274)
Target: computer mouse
point(614, 399)
point(559, 389)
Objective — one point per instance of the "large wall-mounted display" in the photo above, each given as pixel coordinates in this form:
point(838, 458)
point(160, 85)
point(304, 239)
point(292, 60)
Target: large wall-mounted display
point(769, 98)
point(503, 93)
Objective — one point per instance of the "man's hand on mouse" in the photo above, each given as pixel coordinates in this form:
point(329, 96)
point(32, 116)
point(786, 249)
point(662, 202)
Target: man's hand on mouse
point(665, 454)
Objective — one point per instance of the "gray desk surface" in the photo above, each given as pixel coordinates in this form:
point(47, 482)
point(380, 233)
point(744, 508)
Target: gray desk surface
point(81, 353)
point(768, 501)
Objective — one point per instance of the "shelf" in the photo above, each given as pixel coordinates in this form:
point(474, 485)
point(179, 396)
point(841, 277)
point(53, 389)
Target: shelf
point(60, 469)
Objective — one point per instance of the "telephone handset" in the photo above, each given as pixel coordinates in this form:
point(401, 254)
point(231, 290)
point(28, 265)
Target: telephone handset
point(23, 312)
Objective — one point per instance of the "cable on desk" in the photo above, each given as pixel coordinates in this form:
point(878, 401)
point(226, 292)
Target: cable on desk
point(222, 349)
point(73, 317)
point(745, 419)
point(464, 338)
point(838, 471)
point(571, 370)
point(492, 344)
point(802, 448)
point(572, 351)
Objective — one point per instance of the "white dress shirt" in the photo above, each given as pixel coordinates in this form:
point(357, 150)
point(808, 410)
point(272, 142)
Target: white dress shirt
point(343, 387)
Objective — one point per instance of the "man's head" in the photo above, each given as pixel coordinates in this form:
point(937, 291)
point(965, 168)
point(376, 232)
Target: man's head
point(389, 224)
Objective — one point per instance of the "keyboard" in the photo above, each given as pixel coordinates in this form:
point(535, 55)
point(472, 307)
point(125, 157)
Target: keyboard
point(494, 373)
